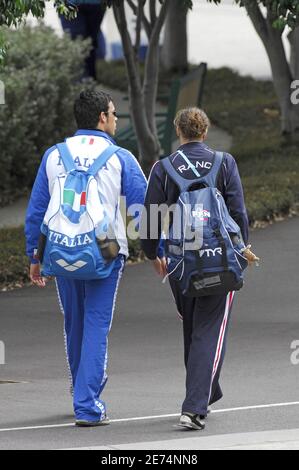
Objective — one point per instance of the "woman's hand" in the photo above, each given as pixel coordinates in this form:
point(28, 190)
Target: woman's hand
point(160, 266)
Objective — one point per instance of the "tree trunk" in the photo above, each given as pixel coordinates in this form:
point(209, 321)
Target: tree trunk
point(143, 98)
point(148, 143)
point(294, 62)
point(151, 72)
point(174, 55)
point(282, 79)
point(281, 72)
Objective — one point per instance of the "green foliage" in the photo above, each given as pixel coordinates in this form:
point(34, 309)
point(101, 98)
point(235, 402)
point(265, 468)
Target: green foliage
point(270, 194)
point(13, 12)
point(14, 264)
point(269, 166)
point(249, 111)
point(113, 74)
point(242, 105)
point(41, 76)
point(13, 261)
point(285, 12)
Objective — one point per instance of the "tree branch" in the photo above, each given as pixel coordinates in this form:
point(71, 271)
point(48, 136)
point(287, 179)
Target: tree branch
point(133, 6)
point(257, 18)
point(150, 84)
point(272, 41)
point(131, 60)
point(293, 37)
point(146, 23)
point(153, 13)
point(138, 26)
point(147, 142)
point(159, 22)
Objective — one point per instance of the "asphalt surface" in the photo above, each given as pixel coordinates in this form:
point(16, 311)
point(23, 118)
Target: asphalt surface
point(146, 372)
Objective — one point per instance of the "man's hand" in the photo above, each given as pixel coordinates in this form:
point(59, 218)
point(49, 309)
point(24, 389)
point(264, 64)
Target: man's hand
point(35, 275)
point(160, 266)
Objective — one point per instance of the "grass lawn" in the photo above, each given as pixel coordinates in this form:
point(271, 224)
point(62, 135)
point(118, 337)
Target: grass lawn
point(268, 163)
point(249, 111)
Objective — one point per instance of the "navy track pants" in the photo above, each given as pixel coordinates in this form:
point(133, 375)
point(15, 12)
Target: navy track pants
point(205, 322)
point(88, 308)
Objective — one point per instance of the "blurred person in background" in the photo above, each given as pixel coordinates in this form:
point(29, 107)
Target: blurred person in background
point(87, 24)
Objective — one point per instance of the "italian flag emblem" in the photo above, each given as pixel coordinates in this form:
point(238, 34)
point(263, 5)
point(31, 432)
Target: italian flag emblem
point(74, 199)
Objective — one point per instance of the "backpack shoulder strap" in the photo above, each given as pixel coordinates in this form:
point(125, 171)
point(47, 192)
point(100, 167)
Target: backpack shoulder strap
point(210, 179)
point(66, 157)
point(102, 159)
point(182, 183)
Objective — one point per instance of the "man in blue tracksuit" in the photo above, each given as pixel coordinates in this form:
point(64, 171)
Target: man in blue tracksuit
point(205, 319)
point(88, 306)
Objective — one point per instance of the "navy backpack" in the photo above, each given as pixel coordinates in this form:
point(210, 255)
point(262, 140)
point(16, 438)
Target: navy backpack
point(204, 245)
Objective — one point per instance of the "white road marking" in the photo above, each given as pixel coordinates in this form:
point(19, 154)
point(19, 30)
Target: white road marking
point(144, 418)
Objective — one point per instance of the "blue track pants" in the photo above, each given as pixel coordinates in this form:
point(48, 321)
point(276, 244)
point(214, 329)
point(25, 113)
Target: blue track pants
point(88, 308)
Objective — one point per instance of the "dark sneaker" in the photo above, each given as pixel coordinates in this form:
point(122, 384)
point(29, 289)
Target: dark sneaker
point(192, 421)
point(205, 416)
point(88, 424)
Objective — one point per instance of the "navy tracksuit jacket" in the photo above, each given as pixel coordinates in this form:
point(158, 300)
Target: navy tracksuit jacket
point(205, 319)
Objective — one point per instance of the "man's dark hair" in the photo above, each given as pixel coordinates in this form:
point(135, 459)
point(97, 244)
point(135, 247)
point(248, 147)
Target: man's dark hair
point(88, 107)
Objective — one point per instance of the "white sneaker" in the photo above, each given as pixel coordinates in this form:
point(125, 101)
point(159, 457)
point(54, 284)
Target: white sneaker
point(88, 424)
point(191, 421)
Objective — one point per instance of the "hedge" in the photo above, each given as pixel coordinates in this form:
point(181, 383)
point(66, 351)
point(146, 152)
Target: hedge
point(14, 264)
point(41, 76)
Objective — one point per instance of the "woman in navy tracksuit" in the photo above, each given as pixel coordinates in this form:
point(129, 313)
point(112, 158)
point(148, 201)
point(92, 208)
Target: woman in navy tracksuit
point(205, 319)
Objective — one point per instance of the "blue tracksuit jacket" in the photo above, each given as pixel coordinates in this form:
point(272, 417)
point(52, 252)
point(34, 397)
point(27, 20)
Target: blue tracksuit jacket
point(88, 306)
point(123, 178)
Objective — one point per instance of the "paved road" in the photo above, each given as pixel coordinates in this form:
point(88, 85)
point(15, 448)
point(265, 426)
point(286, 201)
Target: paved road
point(146, 364)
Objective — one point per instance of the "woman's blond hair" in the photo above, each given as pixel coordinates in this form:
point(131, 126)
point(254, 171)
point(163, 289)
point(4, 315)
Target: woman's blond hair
point(192, 122)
